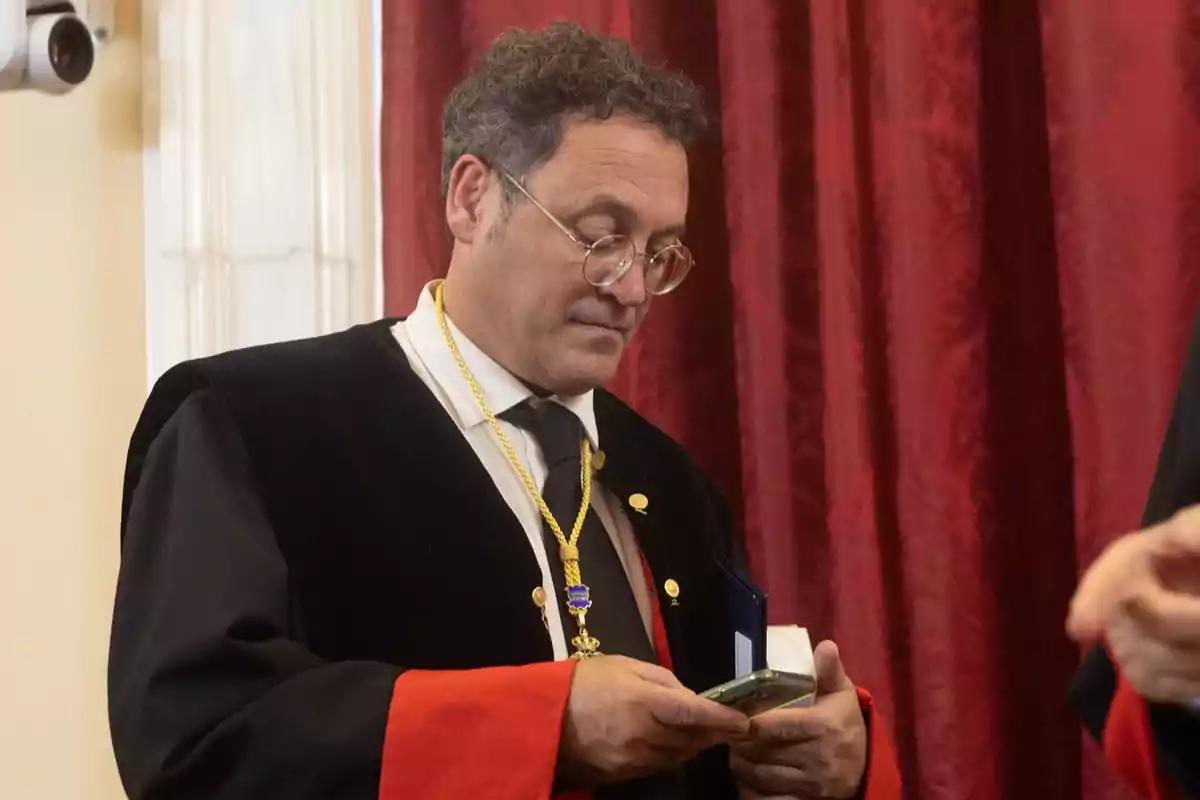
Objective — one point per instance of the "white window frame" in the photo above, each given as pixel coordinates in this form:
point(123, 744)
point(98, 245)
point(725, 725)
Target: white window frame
point(195, 294)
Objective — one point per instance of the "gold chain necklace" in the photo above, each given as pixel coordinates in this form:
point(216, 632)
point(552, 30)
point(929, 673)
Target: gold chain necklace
point(578, 599)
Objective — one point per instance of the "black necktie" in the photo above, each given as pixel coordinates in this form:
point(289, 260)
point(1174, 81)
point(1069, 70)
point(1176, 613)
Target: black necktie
point(614, 618)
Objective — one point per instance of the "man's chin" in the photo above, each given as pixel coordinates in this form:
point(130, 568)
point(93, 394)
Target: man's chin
point(583, 372)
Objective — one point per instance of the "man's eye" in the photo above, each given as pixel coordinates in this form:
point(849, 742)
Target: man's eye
point(593, 235)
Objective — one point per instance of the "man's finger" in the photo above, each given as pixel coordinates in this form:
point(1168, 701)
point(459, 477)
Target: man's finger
point(774, 779)
point(831, 675)
point(1165, 616)
point(1182, 532)
point(673, 744)
point(1180, 691)
point(682, 709)
point(1101, 586)
point(777, 751)
point(790, 724)
point(750, 794)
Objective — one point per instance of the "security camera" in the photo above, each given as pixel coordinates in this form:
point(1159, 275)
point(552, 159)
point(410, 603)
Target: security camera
point(46, 46)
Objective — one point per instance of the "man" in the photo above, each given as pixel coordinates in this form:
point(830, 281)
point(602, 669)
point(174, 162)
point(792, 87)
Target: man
point(1139, 694)
point(384, 563)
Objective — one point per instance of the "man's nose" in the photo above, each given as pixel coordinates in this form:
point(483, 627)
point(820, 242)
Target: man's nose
point(630, 290)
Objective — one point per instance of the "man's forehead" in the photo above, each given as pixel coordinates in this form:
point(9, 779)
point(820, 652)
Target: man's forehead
point(632, 165)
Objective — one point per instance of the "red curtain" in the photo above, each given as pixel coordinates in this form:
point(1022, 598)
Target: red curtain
point(946, 263)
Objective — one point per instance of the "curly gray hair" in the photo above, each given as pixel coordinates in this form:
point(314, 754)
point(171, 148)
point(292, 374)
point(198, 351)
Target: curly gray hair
point(509, 111)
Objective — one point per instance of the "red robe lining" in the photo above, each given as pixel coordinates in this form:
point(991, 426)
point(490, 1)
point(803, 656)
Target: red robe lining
point(494, 732)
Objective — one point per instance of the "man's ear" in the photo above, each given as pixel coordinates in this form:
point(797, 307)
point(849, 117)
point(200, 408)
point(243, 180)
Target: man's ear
point(466, 193)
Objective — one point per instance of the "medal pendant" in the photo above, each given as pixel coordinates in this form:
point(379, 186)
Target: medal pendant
point(586, 645)
point(579, 599)
point(578, 602)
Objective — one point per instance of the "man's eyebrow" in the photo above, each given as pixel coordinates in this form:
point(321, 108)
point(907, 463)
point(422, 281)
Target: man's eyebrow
point(623, 214)
point(608, 205)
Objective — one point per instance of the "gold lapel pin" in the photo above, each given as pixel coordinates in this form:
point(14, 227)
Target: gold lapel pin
point(598, 459)
point(671, 587)
point(539, 599)
point(638, 502)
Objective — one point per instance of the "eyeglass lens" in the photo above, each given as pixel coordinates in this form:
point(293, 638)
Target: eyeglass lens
point(612, 256)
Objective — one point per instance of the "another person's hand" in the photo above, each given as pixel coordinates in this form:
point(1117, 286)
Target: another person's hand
point(1143, 596)
point(626, 719)
point(805, 753)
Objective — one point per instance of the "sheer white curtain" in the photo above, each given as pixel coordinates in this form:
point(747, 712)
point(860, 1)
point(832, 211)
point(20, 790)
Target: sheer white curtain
point(260, 172)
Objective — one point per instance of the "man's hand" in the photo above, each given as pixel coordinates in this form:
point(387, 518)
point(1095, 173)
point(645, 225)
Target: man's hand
point(1143, 595)
point(626, 719)
point(807, 753)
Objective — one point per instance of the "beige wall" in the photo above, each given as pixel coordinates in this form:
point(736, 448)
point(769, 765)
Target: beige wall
point(72, 375)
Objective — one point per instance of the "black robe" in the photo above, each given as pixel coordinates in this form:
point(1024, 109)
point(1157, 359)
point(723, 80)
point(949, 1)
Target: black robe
point(1174, 732)
point(303, 522)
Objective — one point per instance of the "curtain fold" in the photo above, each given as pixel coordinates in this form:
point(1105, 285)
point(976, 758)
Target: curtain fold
point(945, 271)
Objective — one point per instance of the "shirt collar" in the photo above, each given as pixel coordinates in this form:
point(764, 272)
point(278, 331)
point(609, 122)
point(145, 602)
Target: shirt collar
point(500, 387)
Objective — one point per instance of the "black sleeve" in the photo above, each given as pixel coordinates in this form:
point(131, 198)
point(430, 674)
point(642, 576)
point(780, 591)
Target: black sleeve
point(212, 693)
point(1176, 732)
point(1176, 485)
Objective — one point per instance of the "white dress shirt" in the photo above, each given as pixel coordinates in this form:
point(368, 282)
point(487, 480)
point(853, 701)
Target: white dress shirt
point(421, 338)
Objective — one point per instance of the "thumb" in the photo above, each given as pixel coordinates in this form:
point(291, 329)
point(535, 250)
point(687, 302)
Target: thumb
point(831, 675)
point(1101, 585)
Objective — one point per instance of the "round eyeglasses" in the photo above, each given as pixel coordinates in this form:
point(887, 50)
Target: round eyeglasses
point(609, 258)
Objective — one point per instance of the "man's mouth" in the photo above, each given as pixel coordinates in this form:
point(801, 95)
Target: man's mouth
point(608, 326)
